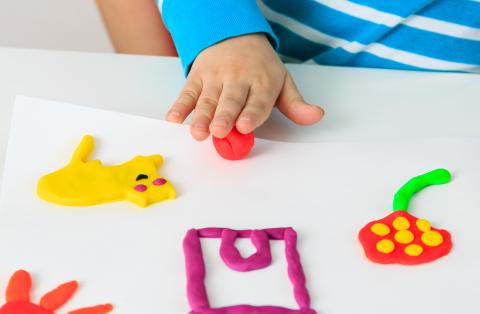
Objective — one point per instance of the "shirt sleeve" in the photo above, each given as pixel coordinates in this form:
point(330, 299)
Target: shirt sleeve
point(198, 24)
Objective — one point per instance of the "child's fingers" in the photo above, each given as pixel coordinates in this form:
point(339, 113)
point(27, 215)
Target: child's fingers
point(185, 102)
point(204, 111)
point(231, 102)
point(257, 110)
point(290, 102)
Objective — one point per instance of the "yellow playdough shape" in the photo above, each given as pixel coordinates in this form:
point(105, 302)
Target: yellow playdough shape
point(432, 238)
point(380, 229)
point(401, 223)
point(85, 182)
point(385, 246)
point(423, 225)
point(413, 250)
point(404, 236)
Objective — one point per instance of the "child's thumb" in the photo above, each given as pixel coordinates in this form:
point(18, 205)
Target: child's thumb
point(291, 103)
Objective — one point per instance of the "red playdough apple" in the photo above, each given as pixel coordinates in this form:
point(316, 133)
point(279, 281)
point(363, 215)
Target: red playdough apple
point(401, 238)
point(235, 145)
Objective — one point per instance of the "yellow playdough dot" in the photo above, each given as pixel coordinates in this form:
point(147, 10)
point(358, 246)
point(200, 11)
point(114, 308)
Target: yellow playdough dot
point(401, 223)
point(423, 225)
point(385, 246)
point(432, 238)
point(404, 236)
point(413, 250)
point(380, 229)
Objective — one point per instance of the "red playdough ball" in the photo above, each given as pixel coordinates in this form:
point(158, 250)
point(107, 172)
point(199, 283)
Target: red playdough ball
point(235, 145)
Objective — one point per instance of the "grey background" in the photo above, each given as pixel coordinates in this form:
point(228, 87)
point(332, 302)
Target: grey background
point(52, 24)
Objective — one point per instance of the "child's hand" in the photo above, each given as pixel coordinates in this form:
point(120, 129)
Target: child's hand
point(237, 83)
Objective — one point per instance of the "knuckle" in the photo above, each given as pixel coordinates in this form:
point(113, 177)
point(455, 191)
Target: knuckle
point(208, 102)
point(259, 109)
point(264, 82)
point(201, 115)
point(232, 99)
point(189, 94)
point(204, 113)
point(228, 116)
point(181, 105)
point(263, 86)
point(265, 92)
point(270, 80)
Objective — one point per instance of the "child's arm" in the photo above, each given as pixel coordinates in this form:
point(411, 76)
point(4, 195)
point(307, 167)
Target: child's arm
point(136, 27)
point(234, 75)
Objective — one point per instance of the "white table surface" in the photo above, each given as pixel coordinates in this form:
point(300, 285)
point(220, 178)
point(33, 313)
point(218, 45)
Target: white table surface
point(361, 104)
point(326, 191)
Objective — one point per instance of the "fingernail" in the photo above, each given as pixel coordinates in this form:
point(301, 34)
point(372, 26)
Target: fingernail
point(174, 114)
point(244, 119)
point(200, 127)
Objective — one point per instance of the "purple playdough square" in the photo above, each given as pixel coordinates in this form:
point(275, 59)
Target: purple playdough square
point(195, 267)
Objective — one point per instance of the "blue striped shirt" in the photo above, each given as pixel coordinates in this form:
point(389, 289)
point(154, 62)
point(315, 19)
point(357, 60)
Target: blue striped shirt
point(442, 35)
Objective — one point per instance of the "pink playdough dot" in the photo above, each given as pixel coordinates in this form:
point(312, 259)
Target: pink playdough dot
point(140, 188)
point(159, 181)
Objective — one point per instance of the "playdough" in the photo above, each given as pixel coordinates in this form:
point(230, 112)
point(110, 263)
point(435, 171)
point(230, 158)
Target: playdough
point(18, 298)
point(85, 182)
point(196, 273)
point(402, 238)
point(235, 146)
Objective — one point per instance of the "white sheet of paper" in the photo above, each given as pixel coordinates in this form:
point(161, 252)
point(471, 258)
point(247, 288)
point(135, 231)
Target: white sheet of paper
point(133, 257)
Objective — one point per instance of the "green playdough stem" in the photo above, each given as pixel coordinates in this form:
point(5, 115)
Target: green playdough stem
point(404, 195)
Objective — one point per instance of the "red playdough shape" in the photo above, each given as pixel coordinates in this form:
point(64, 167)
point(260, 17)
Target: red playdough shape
point(18, 298)
point(369, 242)
point(401, 238)
point(235, 145)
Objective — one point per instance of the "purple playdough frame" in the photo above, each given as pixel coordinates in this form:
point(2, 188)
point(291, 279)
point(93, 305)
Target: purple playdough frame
point(195, 267)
